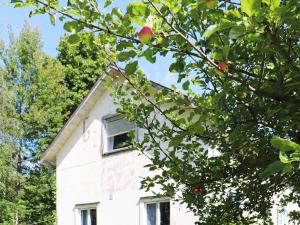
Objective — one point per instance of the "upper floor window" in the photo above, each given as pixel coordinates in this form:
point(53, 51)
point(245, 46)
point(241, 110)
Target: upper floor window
point(117, 131)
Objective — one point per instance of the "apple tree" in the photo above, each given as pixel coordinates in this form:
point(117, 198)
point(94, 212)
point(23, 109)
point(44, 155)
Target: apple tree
point(239, 66)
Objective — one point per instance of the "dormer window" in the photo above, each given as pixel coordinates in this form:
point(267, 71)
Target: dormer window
point(117, 131)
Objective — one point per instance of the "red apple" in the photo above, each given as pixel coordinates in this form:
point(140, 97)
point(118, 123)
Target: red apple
point(211, 3)
point(145, 34)
point(197, 190)
point(222, 68)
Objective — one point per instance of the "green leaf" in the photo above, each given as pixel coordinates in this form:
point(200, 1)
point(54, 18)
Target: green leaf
point(73, 39)
point(123, 45)
point(284, 144)
point(186, 85)
point(250, 7)
point(283, 157)
point(14, 1)
point(272, 168)
point(274, 4)
point(288, 168)
point(107, 3)
point(52, 19)
point(71, 26)
point(137, 8)
point(37, 11)
point(148, 54)
point(22, 4)
point(123, 56)
point(233, 12)
point(211, 4)
point(117, 12)
point(177, 67)
point(236, 32)
point(223, 25)
point(131, 68)
point(210, 30)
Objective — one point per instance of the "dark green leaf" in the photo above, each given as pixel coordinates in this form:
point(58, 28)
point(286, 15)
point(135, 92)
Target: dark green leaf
point(272, 168)
point(131, 68)
point(236, 32)
point(186, 85)
point(74, 39)
point(107, 3)
point(123, 56)
point(148, 54)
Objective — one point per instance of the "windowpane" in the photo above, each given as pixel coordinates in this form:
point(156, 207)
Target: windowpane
point(117, 125)
point(84, 217)
point(121, 141)
point(93, 214)
point(151, 214)
point(164, 208)
point(281, 216)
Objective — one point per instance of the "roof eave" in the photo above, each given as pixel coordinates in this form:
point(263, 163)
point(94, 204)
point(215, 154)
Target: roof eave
point(49, 156)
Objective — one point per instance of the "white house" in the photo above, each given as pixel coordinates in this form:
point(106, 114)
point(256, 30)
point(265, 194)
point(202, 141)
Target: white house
point(98, 178)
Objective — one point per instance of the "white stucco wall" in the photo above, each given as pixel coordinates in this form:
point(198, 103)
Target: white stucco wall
point(85, 176)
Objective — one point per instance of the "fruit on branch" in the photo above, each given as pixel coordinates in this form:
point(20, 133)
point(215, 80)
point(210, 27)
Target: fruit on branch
point(145, 34)
point(197, 190)
point(211, 3)
point(222, 68)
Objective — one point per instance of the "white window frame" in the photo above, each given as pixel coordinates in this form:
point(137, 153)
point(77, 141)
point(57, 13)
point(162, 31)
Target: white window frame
point(157, 201)
point(107, 150)
point(88, 207)
point(281, 214)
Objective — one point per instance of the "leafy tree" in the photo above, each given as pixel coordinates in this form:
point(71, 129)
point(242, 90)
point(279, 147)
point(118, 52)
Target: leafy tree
point(32, 102)
point(239, 64)
point(83, 63)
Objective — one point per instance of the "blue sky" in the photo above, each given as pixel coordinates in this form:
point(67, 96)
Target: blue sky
point(15, 17)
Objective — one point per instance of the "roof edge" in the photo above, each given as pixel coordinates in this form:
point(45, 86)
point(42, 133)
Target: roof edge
point(98, 84)
point(46, 156)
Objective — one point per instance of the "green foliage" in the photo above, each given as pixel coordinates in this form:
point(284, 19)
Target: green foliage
point(31, 113)
point(289, 152)
point(273, 168)
point(83, 63)
point(250, 7)
point(236, 113)
point(285, 145)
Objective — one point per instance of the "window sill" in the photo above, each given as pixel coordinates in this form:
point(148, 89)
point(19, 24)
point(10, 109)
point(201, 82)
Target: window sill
point(116, 151)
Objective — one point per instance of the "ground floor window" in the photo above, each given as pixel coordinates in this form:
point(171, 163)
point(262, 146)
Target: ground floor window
point(88, 216)
point(281, 216)
point(157, 213)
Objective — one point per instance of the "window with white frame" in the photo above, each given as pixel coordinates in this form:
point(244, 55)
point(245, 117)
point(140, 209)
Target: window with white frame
point(117, 131)
point(281, 216)
point(88, 216)
point(157, 213)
